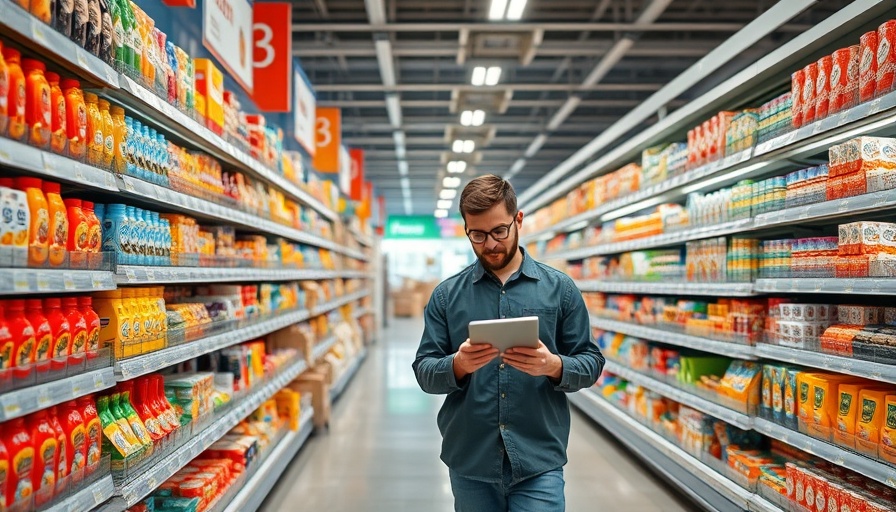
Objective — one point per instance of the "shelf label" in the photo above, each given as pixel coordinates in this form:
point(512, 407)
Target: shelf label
point(98, 497)
point(21, 282)
point(131, 275)
point(11, 409)
point(68, 281)
point(43, 398)
point(38, 33)
point(4, 156)
point(150, 275)
point(81, 55)
point(97, 280)
point(98, 382)
point(44, 281)
point(129, 185)
point(77, 388)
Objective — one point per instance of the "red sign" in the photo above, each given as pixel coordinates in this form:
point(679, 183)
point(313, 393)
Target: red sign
point(328, 135)
point(357, 174)
point(272, 77)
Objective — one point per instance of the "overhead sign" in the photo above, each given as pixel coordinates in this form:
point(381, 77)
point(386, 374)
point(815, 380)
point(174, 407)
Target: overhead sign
point(328, 138)
point(272, 76)
point(227, 33)
point(356, 191)
point(304, 112)
point(423, 226)
point(345, 171)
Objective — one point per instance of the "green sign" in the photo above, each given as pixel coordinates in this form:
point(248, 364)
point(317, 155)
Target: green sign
point(405, 227)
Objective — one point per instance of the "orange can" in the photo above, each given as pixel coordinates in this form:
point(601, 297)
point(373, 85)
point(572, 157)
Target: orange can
point(808, 102)
point(844, 79)
point(886, 57)
point(797, 81)
point(823, 86)
point(867, 65)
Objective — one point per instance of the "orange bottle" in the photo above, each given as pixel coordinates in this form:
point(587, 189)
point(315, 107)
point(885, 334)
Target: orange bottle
point(7, 344)
point(60, 347)
point(22, 337)
point(58, 223)
point(119, 136)
point(43, 335)
point(78, 233)
point(39, 230)
point(108, 134)
point(95, 135)
point(37, 102)
point(58, 138)
point(62, 470)
point(93, 324)
point(78, 325)
point(4, 99)
point(16, 101)
point(17, 439)
point(75, 117)
point(46, 456)
point(94, 233)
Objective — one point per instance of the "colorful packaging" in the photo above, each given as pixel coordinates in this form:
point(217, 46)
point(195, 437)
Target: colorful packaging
point(886, 57)
point(210, 84)
point(39, 228)
point(22, 338)
point(20, 483)
point(16, 101)
point(867, 66)
point(888, 432)
point(58, 224)
point(37, 102)
point(809, 86)
point(823, 86)
point(58, 137)
point(870, 420)
point(844, 79)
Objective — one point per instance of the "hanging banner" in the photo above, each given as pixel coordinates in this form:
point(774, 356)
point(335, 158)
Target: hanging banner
point(356, 190)
point(227, 34)
point(328, 138)
point(304, 112)
point(364, 210)
point(272, 76)
point(345, 171)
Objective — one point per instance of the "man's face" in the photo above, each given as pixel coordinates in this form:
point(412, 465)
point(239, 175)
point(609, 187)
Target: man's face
point(495, 254)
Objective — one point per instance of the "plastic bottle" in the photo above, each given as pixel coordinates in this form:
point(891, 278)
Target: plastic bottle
point(118, 46)
point(22, 337)
point(166, 241)
point(63, 468)
point(42, 10)
point(4, 100)
point(132, 36)
point(78, 244)
point(75, 117)
point(16, 102)
point(18, 222)
point(94, 231)
point(75, 433)
point(58, 137)
point(37, 102)
point(85, 303)
point(164, 404)
point(152, 242)
point(7, 225)
point(60, 347)
point(116, 237)
point(93, 429)
point(108, 134)
point(113, 431)
point(39, 215)
point(7, 344)
point(140, 235)
point(134, 420)
point(119, 138)
point(43, 334)
point(21, 456)
point(78, 325)
point(149, 417)
point(133, 317)
point(122, 419)
point(46, 456)
point(95, 136)
point(5, 467)
point(58, 224)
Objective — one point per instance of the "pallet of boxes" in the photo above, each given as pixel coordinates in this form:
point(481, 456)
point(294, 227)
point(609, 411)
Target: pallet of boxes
point(316, 380)
point(410, 299)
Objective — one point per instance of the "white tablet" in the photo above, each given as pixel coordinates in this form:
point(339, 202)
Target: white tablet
point(506, 333)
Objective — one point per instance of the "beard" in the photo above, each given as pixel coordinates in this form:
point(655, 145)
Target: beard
point(508, 254)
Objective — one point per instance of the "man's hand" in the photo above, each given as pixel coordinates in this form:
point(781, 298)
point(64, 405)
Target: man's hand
point(471, 357)
point(535, 361)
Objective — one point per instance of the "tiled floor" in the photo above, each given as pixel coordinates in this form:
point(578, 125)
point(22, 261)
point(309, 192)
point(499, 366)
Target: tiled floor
point(381, 453)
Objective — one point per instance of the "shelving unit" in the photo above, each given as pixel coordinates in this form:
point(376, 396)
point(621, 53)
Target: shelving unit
point(674, 338)
point(18, 403)
point(25, 281)
point(135, 275)
point(340, 384)
point(87, 498)
point(265, 476)
point(857, 367)
point(862, 286)
point(669, 288)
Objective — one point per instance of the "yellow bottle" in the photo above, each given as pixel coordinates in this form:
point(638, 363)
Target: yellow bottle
point(131, 346)
point(95, 135)
point(108, 133)
point(119, 134)
point(115, 330)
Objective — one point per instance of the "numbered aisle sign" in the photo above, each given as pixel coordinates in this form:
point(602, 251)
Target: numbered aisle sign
point(273, 56)
point(357, 174)
point(328, 136)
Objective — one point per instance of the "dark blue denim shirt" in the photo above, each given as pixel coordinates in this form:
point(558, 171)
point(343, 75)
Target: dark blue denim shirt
point(497, 407)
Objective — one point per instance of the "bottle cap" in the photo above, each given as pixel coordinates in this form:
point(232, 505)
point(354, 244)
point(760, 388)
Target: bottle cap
point(51, 187)
point(70, 83)
point(29, 64)
point(26, 182)
point(52, 303)
point(72, 203)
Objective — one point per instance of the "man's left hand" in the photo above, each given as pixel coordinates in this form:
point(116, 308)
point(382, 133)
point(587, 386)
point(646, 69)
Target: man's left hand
point(535, 361)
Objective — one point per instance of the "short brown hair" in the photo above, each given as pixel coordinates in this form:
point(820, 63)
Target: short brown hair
point(484, 192)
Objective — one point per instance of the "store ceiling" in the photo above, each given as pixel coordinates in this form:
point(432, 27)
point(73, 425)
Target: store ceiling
point(402, 72)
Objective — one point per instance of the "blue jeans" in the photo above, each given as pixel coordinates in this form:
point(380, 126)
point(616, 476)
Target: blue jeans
point(541, 493)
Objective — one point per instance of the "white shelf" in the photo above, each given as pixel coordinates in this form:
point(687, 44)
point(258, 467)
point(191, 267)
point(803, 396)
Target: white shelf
point(87, 498)
point(735, 418)
point(49, 165)
point(170, 117)
point(134, 274)
point(848, 365)
point(861, 286)
point(339, 302)
point(846, 207)
point(342, 382)
point(130, 494)
point(651, 242)
point(700, 482)
point(51, 42)
point(256, 489)
point(865, 466)
point(21, 281)
point(674, 338)
point(18, 403)
point(667, 288)
point(321, 348)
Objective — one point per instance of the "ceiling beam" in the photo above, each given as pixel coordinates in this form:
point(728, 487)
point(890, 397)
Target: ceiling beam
point(529, 27)
point(513, 104)
point(423, 49)
point(439, 140)
point(630, 87)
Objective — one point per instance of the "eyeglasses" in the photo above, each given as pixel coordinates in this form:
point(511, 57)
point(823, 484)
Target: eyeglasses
point(499, 233)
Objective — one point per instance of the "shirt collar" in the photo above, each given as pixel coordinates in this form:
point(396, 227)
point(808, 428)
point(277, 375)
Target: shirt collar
point(527, 268)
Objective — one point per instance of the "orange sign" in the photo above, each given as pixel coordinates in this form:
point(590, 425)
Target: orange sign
point(272, 76)
point(328, 137)
point(357, 174)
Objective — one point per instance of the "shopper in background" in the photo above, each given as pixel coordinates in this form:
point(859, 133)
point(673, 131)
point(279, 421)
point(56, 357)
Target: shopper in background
point(505, 420)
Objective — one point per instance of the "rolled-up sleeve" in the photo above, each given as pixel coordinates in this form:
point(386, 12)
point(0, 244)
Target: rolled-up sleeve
point(434, 364)
point(582, 360)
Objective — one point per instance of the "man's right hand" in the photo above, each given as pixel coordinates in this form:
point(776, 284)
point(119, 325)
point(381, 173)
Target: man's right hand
point(471, 357)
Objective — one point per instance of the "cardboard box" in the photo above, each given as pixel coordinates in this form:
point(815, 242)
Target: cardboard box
point(408, 304)
point(296, 337)
point(210, 84)
point(315, 384)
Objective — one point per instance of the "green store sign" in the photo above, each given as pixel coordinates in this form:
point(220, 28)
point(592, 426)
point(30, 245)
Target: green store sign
point(408, 227)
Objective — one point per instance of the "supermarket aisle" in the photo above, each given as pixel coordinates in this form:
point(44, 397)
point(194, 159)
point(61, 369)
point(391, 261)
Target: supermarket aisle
point(382, 451)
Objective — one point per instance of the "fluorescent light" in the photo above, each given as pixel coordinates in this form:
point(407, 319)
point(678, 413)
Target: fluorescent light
point(402, 167)
point(443, 204)
point(469, 146)
point(577, 226)
point(398, 137)
point(463, 146)
point(448, 193)
point(515, 11)
point(478, 117)
point(405, 184)
point(457, 166)
point(458, 146)
point(408, 206)
point(441, 214)
point(466, 117)
point(384, 59)
point(478, 75)
point(515, 168)
point(493, 75)
point(450, 182)
point(497, 10)
point(393, 108)
point(536, 145)
point(722, 177)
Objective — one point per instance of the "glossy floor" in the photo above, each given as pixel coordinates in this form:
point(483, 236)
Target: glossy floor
point(381, 452)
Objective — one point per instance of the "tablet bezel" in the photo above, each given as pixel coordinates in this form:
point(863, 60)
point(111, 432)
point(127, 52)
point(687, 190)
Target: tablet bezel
point(505, 333)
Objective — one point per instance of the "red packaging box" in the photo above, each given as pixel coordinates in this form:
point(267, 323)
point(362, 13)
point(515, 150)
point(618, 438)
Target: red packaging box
point(797, 82)
point(811, 73)
point(823, 86)
point(844, 79)
point(867, 66)
point(886, 57)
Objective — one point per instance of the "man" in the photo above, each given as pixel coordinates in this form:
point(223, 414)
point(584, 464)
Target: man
point(505, 420)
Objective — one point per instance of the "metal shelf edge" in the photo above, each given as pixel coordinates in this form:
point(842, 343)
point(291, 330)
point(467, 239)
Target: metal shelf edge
point(341, 383)
point(87, 498)
point(857, 367)
point(673, 338)
point(53, 393)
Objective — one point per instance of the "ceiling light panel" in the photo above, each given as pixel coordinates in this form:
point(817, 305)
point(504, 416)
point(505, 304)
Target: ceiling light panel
point(515, 11)
point(479, 73)
point(450, 182)
point(499, 7)
point(466, 118)
point(443, 204)
point(457, 166)
point(448, 194)
point(493, 75)
point(458, 146)
point(441, 214)
point(469, 146)
point(478, 117)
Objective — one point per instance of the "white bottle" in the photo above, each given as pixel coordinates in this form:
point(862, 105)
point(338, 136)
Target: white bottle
point(21, 220)
point(7, 225)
